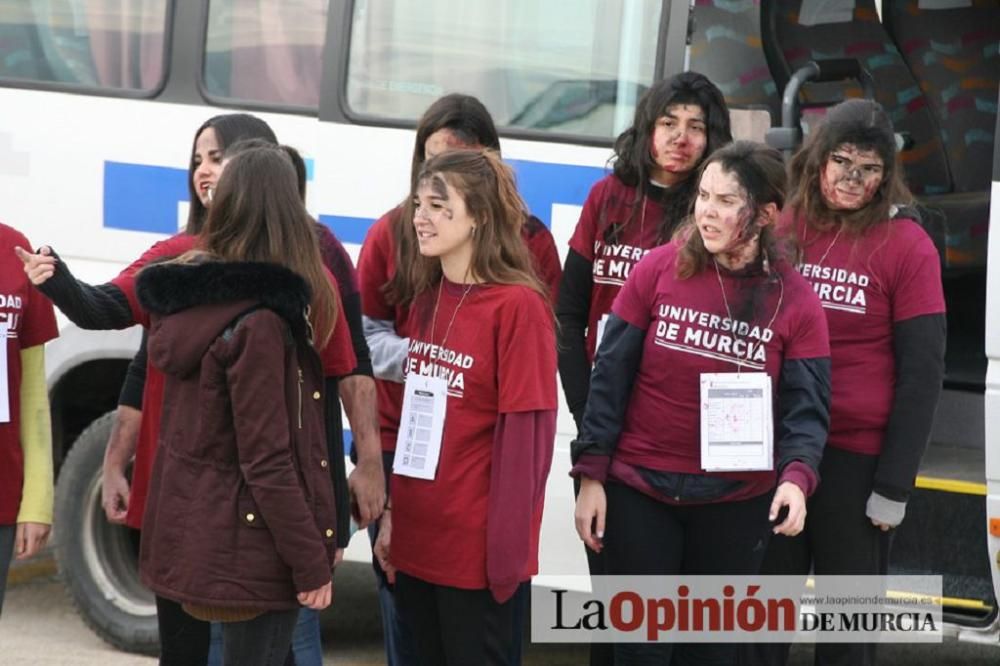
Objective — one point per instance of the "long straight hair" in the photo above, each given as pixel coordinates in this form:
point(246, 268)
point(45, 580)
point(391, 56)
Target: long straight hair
point(487, 186)
point(258, 216)
point(229, 128)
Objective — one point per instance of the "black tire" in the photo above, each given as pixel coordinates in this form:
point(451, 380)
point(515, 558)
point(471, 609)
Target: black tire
point(98, 561)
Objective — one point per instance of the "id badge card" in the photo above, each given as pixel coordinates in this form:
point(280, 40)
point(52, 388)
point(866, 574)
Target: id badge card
point(602, 324)
point(737, 424)
point(4, 377)
point(421, 426)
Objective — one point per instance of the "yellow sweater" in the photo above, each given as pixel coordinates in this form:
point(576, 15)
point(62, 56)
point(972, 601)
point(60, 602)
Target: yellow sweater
point(36, 439)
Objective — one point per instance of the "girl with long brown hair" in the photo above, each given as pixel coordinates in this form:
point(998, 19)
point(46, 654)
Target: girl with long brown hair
point(239, 522)
point(878, 277)
point(462, 534)
point(388, 258)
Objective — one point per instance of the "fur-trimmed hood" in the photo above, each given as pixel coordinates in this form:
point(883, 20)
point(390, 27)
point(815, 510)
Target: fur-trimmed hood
point(192, 304)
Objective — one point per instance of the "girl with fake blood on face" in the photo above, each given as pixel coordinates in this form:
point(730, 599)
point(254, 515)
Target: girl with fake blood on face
point(878, 276)
point(677, 124)
point(721, 298)
point(481, 320)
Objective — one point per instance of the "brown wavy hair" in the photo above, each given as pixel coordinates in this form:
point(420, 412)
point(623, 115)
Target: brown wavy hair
point(760, 172)
point(257, 215)
point(865, 124)
point(487, 186)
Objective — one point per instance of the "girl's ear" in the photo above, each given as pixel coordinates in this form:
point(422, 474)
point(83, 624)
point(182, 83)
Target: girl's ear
point(768, 214)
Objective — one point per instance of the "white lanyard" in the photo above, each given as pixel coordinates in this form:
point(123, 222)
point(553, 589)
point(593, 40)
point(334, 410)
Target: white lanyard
point(421, 423)
point(737, 421)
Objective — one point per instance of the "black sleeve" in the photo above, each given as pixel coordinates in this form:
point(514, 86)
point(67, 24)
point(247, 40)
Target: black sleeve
point(615, 368)
point(918, 345)
point(804, 411)
point(135, 378)
point(335, 454)
point(100, 307)
point(352, 311)
point(572, 312)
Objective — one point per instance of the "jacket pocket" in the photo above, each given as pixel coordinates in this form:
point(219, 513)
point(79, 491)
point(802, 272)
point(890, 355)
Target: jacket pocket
point(248, 513)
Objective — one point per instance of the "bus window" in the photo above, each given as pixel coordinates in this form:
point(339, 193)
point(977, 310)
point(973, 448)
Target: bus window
point(94, 43)
point(533, 63)
point(268, 52)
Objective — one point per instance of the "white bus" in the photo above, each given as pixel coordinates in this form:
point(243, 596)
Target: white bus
point(99, 100)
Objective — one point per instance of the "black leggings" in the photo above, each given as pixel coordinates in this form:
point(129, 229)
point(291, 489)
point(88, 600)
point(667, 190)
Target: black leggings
point(601, 654)
point(184, 640)
point(838, 539)
point(646, 537)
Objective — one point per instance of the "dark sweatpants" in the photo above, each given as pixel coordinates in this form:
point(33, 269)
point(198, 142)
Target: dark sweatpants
point(454, 627)
point(838, 539)
point(644, 536)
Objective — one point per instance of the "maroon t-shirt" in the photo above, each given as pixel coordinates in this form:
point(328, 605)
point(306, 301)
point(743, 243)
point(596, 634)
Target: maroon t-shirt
point(499, 357)
point(689, 332)
point(544, 255)
point(867, 284)
point(30, 322)
point(610, 203)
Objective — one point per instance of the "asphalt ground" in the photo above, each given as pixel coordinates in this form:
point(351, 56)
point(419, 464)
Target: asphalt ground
point(40, 627)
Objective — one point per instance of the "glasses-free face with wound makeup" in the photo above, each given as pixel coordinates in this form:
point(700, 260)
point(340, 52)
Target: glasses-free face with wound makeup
point(440, 219)
point(850, 177)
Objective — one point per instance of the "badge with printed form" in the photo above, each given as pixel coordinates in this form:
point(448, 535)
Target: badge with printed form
point(4, 381)
point(421, 425)
point(737, 424)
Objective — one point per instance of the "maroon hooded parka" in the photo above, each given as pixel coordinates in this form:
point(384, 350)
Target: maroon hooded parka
point(240, 510)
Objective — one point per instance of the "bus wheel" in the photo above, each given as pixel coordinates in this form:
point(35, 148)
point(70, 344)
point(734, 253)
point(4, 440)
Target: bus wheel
point(98, 561)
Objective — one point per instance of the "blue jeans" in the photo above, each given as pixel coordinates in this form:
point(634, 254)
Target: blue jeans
point(307, 645)
point(399, 646)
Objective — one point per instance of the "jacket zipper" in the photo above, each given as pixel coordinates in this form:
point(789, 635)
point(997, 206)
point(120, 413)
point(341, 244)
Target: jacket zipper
point(301, 380)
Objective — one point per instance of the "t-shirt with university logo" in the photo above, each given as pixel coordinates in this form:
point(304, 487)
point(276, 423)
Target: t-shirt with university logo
point(30, 321)
point(689, 331)
point(377, 265)
point(337, 356)
point(610, 203)
point(867, 284)
point(498, 356)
